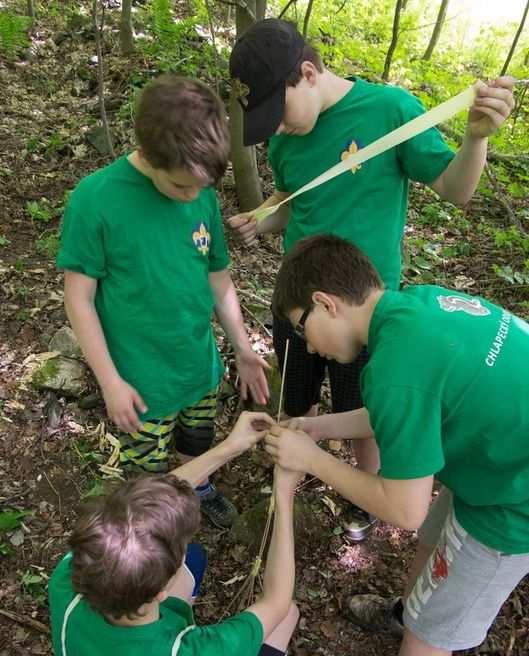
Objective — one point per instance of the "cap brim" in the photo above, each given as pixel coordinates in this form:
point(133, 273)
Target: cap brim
point(261, 122)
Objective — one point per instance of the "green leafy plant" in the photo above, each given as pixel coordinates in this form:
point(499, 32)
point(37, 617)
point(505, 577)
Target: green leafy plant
point(49, 244)
point(4, 241)
point(39, 210)
point(34, 584)
point(13, 33)
point(10, 520)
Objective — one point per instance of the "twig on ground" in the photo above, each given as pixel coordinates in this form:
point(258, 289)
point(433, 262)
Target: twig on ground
point(267, 331)
point(26, 621)
point(501, 197)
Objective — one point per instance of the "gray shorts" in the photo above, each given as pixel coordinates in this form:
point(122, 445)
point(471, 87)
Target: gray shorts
point(462, 587)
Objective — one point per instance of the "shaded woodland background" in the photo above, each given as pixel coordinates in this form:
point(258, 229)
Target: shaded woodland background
point(69, 75)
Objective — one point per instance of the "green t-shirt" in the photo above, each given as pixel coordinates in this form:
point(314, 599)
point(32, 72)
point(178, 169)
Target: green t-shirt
point(367, 207)
point(151, 257)
point(447, 390)
point(87, 633)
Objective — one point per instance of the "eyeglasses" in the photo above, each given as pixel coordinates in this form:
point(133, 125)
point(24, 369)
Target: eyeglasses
point(299, 328)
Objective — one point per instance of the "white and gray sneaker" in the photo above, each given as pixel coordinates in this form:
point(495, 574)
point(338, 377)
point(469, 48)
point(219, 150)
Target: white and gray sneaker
point(359, 524)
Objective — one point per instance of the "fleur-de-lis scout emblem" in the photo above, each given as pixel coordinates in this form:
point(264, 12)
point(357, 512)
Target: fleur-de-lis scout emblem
point(241, 91)
point(201, 238)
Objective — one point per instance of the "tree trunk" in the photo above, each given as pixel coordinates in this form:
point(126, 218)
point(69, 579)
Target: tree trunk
point(126, 40)
point(515, 42)
point(260, 9)
point(244, 161)
point(394, 38)
point(436, 30)
point(307, 18)
point(98, 30)
point(30, 10)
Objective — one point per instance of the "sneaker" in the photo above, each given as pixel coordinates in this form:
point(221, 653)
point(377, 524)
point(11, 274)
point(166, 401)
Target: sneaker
point(217, 508)
point(373, 613)
point(360, 524)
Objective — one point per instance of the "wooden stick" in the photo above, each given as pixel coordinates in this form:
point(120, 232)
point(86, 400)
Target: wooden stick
point(280, 407)
point(26, 621)
point(247, 591)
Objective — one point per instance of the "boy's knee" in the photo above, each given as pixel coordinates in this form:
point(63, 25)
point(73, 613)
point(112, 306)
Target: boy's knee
point(194, 441)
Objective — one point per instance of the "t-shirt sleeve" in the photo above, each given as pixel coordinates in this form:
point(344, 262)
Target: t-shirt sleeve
point(407, 426)
point(218, 251)
point(241, 634)
point(427, 155)
point(279, 183)
point(82, 236)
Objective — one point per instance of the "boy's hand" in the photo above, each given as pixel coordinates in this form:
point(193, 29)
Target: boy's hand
point(293, 450)
point(249, 429)
point(123, 402)
point(286, 480)
point(492, 106)
point(245, 226)
point(309, 425)
point(252, 373)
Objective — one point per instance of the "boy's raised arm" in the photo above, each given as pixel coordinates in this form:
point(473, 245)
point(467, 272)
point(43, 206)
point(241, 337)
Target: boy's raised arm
point(278, 584)
point(249, 429)
point(121, 399)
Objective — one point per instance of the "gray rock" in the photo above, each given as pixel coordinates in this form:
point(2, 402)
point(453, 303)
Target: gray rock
point(65, 341)
point(248, 527)
point(97, 137)
point(63, 375)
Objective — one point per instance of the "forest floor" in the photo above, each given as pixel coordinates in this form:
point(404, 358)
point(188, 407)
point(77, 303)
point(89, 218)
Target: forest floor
point(50, 449)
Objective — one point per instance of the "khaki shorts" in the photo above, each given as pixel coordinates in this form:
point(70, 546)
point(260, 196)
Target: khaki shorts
point(462, 587)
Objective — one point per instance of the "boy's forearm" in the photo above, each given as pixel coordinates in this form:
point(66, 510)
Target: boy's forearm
point(228, 310)
point(87, 328)
point(460, 179)
point(278, 582)
point(351, 425)
point(198, 469)
point(403, 503)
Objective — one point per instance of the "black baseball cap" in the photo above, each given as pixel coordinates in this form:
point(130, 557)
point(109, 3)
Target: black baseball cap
point(260, 63)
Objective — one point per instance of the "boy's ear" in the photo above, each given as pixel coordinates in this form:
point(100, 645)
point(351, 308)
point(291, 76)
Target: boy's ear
point(326, 301)
point(161, 596)
point(309, 72)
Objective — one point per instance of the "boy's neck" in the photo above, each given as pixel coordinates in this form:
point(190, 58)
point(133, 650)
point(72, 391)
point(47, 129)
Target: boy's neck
point(139, 163)
point(333, 89)
point(150, 613)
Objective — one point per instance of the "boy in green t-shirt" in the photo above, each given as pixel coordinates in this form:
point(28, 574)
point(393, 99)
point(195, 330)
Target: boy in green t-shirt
point(446, 395)
point(314, 119)
point(145, 265)
point(127, 586)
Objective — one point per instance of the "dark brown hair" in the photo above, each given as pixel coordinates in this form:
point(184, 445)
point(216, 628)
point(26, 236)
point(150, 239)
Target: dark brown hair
point(323, 263)
point(181, 123)
point(127, 544)
point(309, 53)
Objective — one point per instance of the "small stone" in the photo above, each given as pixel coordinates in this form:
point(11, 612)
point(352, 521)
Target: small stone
point(97, 137)
point(62, 375)
point(65, 342)
point(248, 527)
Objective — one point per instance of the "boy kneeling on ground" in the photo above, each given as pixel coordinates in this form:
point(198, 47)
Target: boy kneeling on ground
point(127, 585)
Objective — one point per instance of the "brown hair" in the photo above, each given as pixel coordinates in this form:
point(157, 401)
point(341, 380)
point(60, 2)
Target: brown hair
point(327, 264)
point(181, 123)
point(127, 544)
point(309, 53)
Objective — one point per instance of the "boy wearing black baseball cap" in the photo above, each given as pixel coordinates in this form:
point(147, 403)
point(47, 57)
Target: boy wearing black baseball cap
point(314, 119)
